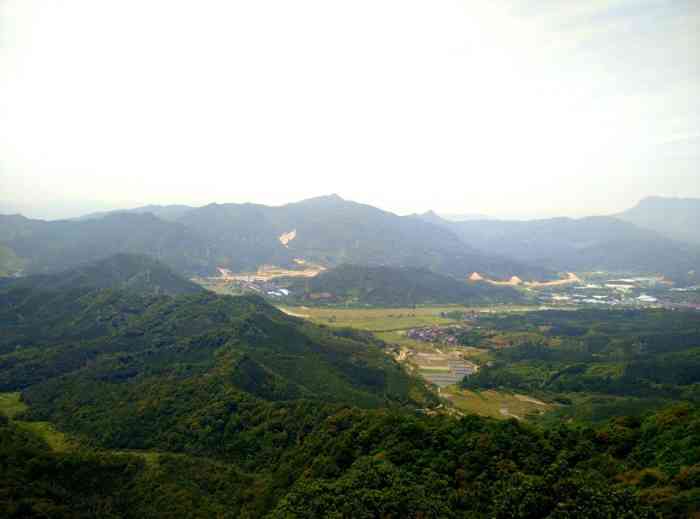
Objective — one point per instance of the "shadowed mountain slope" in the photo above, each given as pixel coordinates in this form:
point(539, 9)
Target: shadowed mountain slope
point(394, 286)
point(133, 272)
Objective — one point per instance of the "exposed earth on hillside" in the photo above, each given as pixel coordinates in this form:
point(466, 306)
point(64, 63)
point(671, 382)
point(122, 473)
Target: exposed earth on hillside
point(571, 279)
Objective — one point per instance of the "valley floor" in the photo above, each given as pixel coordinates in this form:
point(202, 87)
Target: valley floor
point(442, 365)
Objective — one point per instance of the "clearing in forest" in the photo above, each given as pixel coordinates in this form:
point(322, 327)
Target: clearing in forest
point(495, 404)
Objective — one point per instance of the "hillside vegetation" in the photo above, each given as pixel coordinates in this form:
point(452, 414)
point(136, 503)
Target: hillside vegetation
point(362, 463)
point(612, 362)
point(141, 404)
point(51, 247)
point(392, 286)
point(131, 272)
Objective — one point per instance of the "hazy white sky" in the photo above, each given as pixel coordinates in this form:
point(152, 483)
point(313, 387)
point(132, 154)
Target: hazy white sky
point(503, 107)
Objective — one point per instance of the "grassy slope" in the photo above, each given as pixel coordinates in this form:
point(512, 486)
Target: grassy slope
point(9, 261)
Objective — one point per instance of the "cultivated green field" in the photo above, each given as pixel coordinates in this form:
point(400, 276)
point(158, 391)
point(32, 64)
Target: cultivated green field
point(390, 319)
point(495, 404)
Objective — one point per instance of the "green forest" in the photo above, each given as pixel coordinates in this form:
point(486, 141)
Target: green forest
point(122, 399)
point(617, 362)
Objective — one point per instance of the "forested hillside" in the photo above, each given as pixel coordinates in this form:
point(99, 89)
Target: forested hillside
point(112, 340)
point(392, 286)
point(51, 247)
point(600, 363)
point(353, 463)
point(203, 405)
point(130, 272)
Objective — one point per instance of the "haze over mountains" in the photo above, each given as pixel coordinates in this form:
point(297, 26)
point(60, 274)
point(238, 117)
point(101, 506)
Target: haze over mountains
point(332, 231)
point(678, 218)
point(586, 244)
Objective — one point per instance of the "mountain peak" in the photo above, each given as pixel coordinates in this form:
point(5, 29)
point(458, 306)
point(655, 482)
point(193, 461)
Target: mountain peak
point(334, 197)
point(324, 200)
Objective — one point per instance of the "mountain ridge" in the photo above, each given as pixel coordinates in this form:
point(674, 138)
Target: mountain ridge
point(677, 218)
point(332, 231)
point(122, 271)
point(241, 237)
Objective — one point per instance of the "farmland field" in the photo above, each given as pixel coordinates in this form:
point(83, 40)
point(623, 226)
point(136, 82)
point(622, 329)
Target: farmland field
point(388, 319)
point(495, 404)
point(441, 364)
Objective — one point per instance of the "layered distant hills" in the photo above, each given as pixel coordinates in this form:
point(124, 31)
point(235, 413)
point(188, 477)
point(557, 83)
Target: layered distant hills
point(240, 237)
point(590, 244)
point(332, 231)
point(677, 218)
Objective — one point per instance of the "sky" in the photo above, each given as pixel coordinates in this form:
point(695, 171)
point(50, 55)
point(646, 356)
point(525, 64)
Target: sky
point(500, 107)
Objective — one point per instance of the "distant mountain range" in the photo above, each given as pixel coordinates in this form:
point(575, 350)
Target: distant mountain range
point(165, 212)
point(332, 231)
point(677, 218)
point(466, 216)
point(241, 237)
point(585, 244)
